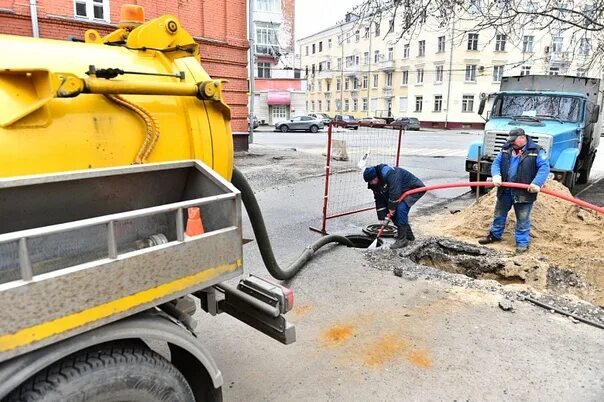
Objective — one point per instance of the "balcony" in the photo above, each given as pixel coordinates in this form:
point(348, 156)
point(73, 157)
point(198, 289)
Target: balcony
point(560, 57)
point(325, 75)
point(327, 95)
point(354, 93)
point(387, 92)
point(387, 65)
point(352, 70)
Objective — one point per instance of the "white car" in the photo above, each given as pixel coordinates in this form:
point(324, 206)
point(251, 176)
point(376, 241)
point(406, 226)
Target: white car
point(300, 123)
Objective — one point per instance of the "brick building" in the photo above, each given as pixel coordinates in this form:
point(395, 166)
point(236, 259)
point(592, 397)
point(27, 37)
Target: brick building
point(219, 26)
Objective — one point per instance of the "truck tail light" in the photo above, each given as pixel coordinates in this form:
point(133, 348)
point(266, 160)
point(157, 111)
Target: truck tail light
point(289, 298)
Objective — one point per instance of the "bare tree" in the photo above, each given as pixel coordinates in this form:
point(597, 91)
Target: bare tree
point(580, 20)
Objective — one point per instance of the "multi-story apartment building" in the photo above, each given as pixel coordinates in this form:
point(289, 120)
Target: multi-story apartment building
point(279, 91)
point(436, 75)
point(219, 26)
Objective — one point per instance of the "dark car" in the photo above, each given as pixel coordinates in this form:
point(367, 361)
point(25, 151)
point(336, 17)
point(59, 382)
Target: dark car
point(407, 123)
point(347, 120)
point(305, 123)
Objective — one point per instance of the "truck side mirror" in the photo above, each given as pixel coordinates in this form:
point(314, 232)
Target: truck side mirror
point(595, 114)
point(483, 103)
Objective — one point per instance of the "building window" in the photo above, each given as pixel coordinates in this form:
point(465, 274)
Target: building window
point(441, 44)
point(376, 80)
point(376, 56)
point(525, 70)
point(497, 73)
point(402, 104)
point(470, 72)
point(357, 36)
point(306, 52)
point(406, 51)
point(346, 84)
point(584, 47)
point(339, 40)
point(554, 71)
point(321, 46)
point(266, 38)
point(355, 105)
point(366, 33)
point(338, 84)
point(420, 75)
point(500, 43)
point(329, 43)
point(377, 29)
point(366, 58)
point(557, 43)
point(527, 43)
point(355, 83)
point(405, 78)
point(419, 103)
point(339, 63)
point(327, 86)
point(390, 53)
point(346, 105)
point(320, 86)
point(473, 41)
point(365, 104)
point(338, 105)
point(374, 103)
point(273, 6)
point(388, 79)
point(365, 82)
point(438, 103)
point(313, 48)
point(319, 106)
point(95, 10)
point(467, 103)
point(327, 105)
point(264, 70)
point(390, 26)
point(581, 72)
point(312, 106)
point(421, 48)
point(439, 74)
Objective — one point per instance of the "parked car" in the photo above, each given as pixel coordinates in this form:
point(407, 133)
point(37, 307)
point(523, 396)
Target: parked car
point(372, 122)
point(302, 123)
point(348, 120)
point(408, 123)
point(321, 116)
point(256, 123)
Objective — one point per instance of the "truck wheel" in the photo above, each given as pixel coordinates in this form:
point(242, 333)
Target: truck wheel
point(569, 181)
point(314, 129)
point(476, 177)
point(584, 173)
point(109, 372)
point(284, 128)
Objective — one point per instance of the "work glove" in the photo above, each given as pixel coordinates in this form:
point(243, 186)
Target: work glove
point(533, 188)
point(497, 181)
point(391, 214)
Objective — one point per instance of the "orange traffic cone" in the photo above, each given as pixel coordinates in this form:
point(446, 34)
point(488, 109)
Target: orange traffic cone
point(194, 225)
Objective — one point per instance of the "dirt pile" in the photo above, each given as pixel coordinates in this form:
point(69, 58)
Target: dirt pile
point(565, 237)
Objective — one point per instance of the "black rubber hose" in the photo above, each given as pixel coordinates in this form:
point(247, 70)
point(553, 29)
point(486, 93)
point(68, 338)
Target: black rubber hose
point(264, 243)
point(560, 311)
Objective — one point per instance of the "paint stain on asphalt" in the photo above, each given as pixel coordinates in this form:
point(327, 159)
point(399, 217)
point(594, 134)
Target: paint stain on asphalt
point(301, 310)
point(420, 358)
point(339, 334)
point(384, 350)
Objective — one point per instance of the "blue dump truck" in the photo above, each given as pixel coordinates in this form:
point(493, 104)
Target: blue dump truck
point(560, 113)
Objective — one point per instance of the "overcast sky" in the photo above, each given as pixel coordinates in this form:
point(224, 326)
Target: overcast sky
point(315, 15)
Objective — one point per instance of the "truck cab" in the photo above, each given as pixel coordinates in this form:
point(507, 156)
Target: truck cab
point(561, 114)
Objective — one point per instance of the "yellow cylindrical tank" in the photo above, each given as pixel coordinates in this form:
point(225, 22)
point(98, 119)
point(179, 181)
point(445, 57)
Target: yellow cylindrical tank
point(42, 133)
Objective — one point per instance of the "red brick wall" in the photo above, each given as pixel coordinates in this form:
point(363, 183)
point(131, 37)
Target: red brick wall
point(219, 26)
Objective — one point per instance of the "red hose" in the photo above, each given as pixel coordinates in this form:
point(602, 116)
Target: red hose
point(568, 198)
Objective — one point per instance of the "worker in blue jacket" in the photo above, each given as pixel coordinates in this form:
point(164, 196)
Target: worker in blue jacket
point(388, 184)
point(520, 161)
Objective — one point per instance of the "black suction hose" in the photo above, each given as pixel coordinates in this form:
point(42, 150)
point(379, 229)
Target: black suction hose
point(264, 243)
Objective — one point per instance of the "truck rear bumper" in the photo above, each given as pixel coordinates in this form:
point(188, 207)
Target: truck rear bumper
point(473, 166)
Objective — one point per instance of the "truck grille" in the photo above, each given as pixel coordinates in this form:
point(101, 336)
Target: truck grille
point(495, 140)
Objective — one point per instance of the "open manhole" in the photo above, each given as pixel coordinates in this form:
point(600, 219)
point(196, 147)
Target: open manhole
point(362, 241)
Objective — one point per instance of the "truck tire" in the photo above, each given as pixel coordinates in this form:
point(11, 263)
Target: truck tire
point(569, 181)
point(584, 172)
point(109, 372)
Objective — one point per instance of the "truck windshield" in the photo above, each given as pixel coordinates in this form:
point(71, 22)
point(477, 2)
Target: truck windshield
point(563, 108)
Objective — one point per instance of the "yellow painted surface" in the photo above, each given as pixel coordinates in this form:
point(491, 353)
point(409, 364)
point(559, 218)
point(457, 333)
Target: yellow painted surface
point(42, 331)
point(89, 131)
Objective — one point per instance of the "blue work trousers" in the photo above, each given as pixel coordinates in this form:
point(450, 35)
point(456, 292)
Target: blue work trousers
point(523, 218)
point(401, 218)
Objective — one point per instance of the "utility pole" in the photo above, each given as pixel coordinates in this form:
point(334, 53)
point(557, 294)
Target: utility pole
point(450, 72)
point(251, 63)
point(342, 70)
point(369, 75)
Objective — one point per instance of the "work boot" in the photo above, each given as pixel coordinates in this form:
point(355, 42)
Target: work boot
point(410, 235)
point(401, 238)
point(489, 239)
point(521, 249)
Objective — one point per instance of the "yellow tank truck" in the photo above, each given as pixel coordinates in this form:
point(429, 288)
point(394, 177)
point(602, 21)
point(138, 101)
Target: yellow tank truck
point(117, 212)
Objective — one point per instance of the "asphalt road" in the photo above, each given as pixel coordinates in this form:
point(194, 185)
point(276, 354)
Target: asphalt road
point(364, 334)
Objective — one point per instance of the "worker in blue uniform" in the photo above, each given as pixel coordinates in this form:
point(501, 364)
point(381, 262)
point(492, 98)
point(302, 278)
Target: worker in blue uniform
point(388, 184)
point(520, 161)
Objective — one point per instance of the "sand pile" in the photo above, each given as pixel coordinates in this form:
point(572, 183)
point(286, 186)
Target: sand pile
point(568, 237)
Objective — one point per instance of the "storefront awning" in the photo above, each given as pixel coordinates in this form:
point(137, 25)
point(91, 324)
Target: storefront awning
point(278, 98)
